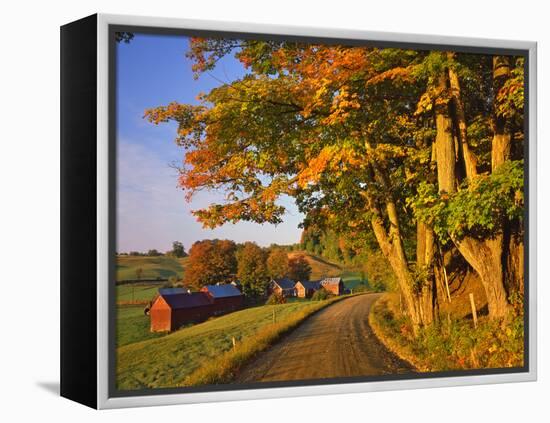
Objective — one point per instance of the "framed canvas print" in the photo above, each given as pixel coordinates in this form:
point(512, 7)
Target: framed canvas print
point(254, 211)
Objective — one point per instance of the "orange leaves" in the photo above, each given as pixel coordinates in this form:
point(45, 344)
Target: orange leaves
point(249, 209)
point(334, 159)
point(164, 113)
point(434, 96)
point(397, 73)
point(316, 166)
point(342, 105)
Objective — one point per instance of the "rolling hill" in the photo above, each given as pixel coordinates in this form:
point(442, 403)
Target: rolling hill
point(320, 267)
point(161, 267)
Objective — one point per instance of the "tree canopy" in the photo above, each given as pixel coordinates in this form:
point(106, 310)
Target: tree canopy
point(211, 262)
point(380, 144)
point(252, 269)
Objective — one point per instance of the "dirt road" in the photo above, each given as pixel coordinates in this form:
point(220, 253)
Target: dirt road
point(335, 342)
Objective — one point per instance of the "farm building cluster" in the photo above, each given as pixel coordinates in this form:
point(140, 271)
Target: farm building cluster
point(174, 307)
point(306, 289)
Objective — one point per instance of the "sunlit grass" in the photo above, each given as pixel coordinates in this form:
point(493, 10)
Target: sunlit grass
point(203, 353)
point(450, 344)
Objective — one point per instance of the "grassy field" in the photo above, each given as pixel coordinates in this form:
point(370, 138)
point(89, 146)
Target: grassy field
point(132, 325)
point(161, 267)
point(169, 360)
point(137, 292)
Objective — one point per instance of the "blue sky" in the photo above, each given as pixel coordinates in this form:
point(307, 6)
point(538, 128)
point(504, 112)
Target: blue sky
point(151, 210)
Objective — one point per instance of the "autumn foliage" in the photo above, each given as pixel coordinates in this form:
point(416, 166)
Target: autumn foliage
point(410, 146)
point(211, 262)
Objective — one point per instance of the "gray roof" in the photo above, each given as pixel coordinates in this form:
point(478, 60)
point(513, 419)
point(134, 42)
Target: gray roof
point(331, 281)
point(285, 283)
point(221, 291)
point(194, 299)
point(172, 291)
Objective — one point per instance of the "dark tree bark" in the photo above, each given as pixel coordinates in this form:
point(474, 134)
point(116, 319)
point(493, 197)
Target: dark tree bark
point(485, 256)
point(502, 137)
point(469, 159)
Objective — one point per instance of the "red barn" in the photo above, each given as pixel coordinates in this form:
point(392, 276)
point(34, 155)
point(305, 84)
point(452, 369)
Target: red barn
point(306, 289)
point(224, 298)
point(170, 311)
point(333, 285)
point(283, 286)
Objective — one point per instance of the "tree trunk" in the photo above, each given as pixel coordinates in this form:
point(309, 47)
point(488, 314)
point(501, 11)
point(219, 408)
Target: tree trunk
point(444, 143)
point(391, 244)
point(427, 297)
point(469, 159)
point(394, 252)
point(486, 257)
point(502, 137)
point(514, 258)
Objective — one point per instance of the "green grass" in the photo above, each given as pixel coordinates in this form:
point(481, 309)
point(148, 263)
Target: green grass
point(161, 267)
point(137, 292)
point(172, 359)
point(132, 325)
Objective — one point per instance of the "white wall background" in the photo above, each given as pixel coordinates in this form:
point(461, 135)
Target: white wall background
point(29, 212)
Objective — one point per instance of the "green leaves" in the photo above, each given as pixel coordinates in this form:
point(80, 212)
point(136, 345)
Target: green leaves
point(479, 209)
point(510, 97)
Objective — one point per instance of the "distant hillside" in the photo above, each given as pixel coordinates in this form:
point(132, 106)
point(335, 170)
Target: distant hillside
point(163, 267)
point(152, 267)
point(320, 268)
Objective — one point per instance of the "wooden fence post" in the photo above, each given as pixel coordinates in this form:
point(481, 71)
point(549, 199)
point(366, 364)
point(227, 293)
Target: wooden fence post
point(474, 311)
point(234, 343)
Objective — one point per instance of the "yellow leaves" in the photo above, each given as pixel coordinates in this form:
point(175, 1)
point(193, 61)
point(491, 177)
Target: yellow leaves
point(425, 104)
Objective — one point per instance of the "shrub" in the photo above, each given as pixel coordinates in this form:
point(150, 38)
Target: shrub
point(379, 273)
point(321, 295)
point(360, 288)
point(276, 298)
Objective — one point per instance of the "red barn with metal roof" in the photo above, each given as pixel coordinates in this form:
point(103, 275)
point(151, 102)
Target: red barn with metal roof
point(224, 298)
point(282, 286)
point(173, 308)
point(171, 311)
point(333, 285)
